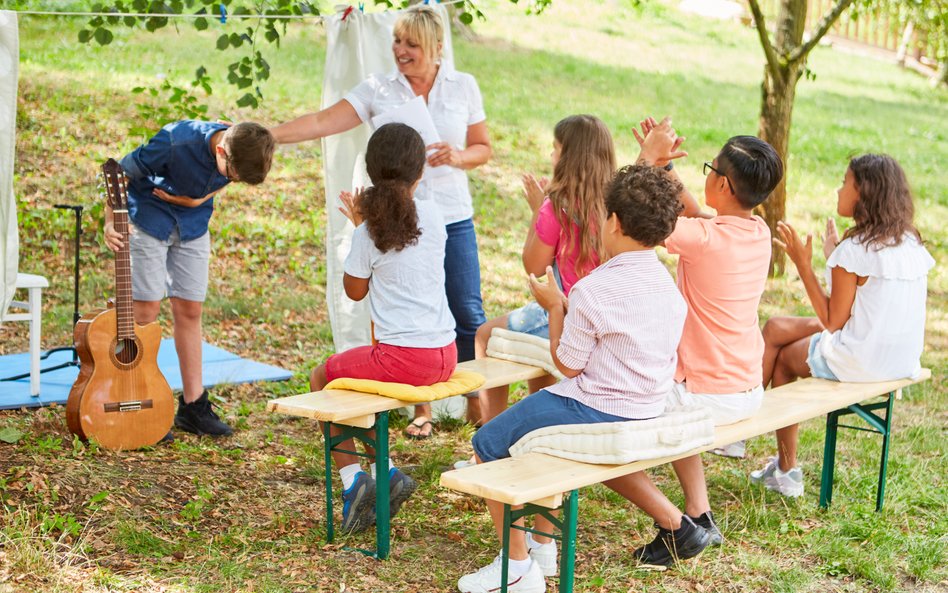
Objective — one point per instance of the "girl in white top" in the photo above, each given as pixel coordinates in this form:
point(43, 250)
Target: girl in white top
point(396, 260)
point(871, 325)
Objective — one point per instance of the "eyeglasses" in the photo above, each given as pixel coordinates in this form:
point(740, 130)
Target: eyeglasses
point(229, 169)
point(710, 167)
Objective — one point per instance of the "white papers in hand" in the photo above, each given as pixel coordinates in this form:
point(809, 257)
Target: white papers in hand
point(414, 114)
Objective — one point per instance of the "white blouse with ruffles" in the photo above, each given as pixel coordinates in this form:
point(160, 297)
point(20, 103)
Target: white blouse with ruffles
point(884, 337)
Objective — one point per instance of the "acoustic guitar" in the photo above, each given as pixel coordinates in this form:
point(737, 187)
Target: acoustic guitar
point(120, 398)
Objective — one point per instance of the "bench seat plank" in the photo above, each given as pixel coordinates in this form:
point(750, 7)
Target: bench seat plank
point(536, 476)
point(354, 408)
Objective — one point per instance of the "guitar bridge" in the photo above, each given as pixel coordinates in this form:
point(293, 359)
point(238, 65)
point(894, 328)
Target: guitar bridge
point(132, 406)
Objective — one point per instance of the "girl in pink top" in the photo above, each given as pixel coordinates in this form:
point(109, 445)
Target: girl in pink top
point(563, 232)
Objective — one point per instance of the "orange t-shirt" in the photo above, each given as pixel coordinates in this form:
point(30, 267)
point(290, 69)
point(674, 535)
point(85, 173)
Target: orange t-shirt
point(722, 273)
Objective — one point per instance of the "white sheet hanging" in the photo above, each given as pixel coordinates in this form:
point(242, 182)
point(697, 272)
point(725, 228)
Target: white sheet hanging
point(358, 46)
point(9, 236)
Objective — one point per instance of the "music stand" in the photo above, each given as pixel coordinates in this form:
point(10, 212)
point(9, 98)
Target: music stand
point(77, 210)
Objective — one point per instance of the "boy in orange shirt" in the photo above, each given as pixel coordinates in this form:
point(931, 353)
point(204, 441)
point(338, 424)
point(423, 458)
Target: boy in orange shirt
point(722, 272)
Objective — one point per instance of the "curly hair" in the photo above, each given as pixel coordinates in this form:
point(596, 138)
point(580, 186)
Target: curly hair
point(646, 202)
point(395, 160)
point(884, 212)
point(577, 191)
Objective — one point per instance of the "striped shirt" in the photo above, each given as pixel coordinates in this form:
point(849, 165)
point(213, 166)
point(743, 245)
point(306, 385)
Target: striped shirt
point(622, 330)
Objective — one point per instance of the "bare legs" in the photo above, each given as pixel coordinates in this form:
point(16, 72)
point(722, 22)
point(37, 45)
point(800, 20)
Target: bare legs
point(187, 339)
point(786, 346)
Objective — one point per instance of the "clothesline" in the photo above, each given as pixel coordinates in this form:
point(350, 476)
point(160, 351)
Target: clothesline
point(223, 16)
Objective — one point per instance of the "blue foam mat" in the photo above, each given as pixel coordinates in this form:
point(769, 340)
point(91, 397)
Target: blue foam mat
point(219, 365)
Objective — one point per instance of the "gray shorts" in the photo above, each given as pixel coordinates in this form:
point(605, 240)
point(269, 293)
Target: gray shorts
point(173, 267)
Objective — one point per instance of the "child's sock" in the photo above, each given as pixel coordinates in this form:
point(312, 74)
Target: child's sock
point(532, 544)
point(348, 474)
point(518, 568)
point(372, 468)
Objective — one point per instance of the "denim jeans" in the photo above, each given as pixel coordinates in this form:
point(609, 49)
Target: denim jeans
point(462, 279)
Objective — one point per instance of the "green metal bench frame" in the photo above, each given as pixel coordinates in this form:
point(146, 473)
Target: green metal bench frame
point(567, 537)
point(383, 530)
point(879, 425)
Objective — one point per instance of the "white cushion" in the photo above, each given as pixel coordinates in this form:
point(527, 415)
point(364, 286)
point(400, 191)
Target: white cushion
point(679, 429)
point(522, 348)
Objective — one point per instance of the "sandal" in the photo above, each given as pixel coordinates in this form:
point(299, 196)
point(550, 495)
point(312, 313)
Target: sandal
point(419, 424)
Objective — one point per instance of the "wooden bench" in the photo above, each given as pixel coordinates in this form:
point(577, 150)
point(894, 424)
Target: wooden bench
point(360, 413)
point(541, 482)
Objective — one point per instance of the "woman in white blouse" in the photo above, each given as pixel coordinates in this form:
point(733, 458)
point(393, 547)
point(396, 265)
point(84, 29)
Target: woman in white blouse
point(454, 101)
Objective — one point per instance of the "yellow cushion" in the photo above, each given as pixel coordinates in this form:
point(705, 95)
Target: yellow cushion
point(460, 382)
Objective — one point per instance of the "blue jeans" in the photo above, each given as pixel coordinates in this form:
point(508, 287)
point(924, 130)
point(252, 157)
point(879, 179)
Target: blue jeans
point(819, 368)
point(494, 439)
point(462, 280)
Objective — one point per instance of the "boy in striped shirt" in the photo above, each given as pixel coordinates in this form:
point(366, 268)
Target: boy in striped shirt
point(616, 346)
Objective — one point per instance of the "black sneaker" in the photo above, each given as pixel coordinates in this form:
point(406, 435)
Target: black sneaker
point(197, 417)
point(706, 521)
point(668, 546)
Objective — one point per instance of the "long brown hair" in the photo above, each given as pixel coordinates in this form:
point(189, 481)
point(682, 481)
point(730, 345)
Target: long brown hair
point(395, 160)
point(578, 189)
point(884, 211)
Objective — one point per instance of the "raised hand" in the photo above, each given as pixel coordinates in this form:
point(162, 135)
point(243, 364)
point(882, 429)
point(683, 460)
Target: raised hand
point(800, 253)
point(534, 190)
point(830, 237)
point(351, 203)
point(548, 295)
point(661, 144)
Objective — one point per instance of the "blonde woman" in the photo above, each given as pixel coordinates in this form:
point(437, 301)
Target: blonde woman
point(456, 107)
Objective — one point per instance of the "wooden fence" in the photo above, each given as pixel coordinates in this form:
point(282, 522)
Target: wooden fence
point(883, 27)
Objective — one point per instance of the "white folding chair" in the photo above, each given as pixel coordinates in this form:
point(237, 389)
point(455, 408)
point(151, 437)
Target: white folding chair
point(33, 305)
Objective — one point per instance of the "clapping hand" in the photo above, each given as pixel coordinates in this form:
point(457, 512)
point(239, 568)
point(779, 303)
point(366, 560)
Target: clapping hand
point(799, 252)
point(658, 143)
point(534, 190)
point(548, 295)
point(830, 237)
point(351, 203)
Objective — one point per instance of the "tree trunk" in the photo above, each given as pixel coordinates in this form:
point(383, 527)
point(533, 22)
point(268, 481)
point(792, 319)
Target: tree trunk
point(776, 111)
point(907, 34)
point(941, 77)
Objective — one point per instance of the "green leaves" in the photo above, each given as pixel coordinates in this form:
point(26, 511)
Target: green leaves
point(11, 435)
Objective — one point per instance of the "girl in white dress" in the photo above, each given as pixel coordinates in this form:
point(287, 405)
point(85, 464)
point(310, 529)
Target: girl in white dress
point(870, 320)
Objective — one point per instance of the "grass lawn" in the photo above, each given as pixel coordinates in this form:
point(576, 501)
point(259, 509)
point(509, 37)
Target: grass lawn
point(245, 513)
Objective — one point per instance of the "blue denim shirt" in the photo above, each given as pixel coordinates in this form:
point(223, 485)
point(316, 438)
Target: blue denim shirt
point(177, 159)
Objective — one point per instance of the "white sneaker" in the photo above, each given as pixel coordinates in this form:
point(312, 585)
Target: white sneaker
point(789, 483)
point(759, 475)
point(545, 557)
point(735, 450)
point(464, 463)
point(487, 580)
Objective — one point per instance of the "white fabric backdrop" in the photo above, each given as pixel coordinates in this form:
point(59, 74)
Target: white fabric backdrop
point(358, 46)
point(9, 238)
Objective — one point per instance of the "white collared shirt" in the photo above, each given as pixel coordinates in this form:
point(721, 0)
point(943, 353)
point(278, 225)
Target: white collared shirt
point(455, 103)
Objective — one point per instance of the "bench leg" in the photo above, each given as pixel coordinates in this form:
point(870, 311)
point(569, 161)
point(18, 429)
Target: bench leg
point(884, 463)
point(383, 526)
point(882, 426)
point(382, 464)
point(327, 440)
point(829, 459)
point(568, 543)
point(567, 527)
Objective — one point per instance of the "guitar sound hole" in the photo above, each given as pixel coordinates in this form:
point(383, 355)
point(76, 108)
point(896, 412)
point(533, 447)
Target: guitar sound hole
point(126, 350)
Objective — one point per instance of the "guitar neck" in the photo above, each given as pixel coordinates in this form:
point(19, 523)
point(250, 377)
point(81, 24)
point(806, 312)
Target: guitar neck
point(124, 311)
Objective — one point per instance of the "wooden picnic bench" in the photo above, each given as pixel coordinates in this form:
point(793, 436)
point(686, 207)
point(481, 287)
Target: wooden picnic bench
point(357, 414)
point(536, 483)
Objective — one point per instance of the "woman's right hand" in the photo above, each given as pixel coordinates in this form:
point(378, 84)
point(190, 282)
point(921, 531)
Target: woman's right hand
point(534, 190)
point(830, 237)
point(351, 203)
point(800, 253)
